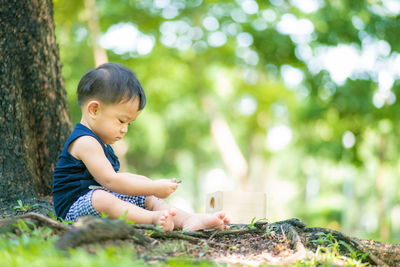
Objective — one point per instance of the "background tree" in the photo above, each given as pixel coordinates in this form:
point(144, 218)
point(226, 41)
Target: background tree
point(323, 143)
point(271, 71)
point(34, 117)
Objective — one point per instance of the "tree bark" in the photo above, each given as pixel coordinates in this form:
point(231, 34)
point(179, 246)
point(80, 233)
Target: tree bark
point(34, 117)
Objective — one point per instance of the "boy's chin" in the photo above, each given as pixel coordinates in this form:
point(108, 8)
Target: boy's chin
point(111, 142)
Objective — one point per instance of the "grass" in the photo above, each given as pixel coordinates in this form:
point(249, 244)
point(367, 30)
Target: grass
point(35, 247)
point(22, 207)
point(33, 251)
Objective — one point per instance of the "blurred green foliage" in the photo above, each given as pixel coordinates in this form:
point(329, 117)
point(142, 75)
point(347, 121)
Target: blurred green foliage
point(339, 170)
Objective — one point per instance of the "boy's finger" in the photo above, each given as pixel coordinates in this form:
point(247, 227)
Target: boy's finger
point(176, 180)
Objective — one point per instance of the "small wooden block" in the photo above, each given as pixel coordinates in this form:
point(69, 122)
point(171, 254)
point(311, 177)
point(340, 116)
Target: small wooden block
point(240, 206)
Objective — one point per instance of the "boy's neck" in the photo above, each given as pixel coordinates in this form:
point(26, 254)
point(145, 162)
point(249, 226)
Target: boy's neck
point(85, 123)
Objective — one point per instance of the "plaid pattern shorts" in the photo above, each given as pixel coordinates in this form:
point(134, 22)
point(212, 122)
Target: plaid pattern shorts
point(83, 205)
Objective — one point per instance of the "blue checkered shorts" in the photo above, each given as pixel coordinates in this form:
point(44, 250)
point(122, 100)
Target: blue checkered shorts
point(83, 205)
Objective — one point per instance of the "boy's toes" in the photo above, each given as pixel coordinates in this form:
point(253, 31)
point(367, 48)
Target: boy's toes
point(221, 215)
point(167, 220)
point(163, 219)
point(172, 212)
point(226, 220)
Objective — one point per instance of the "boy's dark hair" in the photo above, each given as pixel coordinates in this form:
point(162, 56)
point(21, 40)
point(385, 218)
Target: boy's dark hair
point(111, 83)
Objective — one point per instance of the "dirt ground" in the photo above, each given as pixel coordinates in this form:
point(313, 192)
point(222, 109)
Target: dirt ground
point(246, 249)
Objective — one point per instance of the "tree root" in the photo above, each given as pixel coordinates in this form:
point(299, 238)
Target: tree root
point(91, 230)
point(10, 225)
point(390, 252)
point(288, 229)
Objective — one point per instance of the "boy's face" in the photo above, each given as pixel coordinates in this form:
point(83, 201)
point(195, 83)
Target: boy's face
point(112, 120)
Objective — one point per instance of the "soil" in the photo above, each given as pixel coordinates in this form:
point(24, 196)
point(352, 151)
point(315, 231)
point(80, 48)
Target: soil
point(246, 249)
point(41, 205)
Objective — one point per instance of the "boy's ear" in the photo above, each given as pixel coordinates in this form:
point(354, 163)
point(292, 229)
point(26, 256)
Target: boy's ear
point(93, 108)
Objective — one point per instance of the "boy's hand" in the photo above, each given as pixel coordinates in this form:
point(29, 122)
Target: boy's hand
point(165, 187)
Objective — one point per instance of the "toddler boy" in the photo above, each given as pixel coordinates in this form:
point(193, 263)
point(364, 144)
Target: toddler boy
point(86, 178)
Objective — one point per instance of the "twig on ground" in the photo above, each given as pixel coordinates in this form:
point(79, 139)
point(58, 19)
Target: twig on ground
point(238, 232)
point(176, 235)
point(39, 220)
point(283, 233)
point(212, 236)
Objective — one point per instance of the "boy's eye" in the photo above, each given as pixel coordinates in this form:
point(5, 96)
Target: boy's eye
point(121, 121)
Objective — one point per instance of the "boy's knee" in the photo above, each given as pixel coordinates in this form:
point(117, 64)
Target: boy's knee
point(102, 200)
point(149, 202)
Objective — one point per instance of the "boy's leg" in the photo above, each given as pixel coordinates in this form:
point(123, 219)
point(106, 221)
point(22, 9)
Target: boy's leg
point(189, 221)
point(106, 202)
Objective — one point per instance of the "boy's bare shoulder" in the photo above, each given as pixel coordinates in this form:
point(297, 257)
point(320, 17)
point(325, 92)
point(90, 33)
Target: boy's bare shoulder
point(83, 145)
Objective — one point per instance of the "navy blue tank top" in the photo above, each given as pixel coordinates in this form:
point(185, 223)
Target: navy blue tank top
point(71, 177)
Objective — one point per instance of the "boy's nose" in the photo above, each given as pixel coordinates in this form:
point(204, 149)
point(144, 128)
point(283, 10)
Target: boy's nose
point(124, 129)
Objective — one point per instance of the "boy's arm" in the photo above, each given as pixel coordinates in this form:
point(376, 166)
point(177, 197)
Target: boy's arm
point(89, 150)
point(137, 176)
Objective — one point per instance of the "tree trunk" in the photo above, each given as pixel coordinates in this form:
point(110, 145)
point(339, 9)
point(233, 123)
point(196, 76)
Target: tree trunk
point(99, 53)
point(380, 189)
point(34, 117)
point(227, 146)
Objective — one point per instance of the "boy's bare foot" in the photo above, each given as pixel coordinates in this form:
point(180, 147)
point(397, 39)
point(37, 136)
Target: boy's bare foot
point(216, 220)
point(165, 218)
